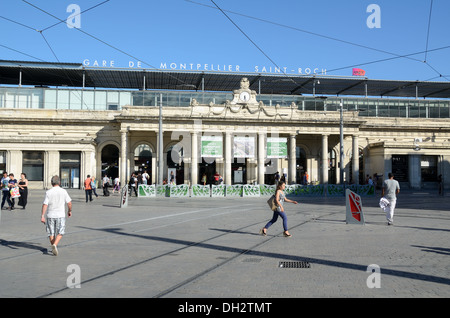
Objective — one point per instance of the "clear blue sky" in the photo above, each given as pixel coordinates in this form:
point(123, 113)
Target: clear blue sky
point(195, 32)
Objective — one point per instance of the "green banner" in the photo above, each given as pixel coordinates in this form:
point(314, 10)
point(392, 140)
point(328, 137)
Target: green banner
point(276, 147)
point(212, 146)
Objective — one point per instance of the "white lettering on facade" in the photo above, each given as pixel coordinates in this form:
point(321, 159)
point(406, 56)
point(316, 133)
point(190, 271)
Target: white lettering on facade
point(211, 67)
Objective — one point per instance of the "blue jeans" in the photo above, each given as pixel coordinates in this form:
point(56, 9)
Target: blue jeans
point(6, 196)
point(276, 214)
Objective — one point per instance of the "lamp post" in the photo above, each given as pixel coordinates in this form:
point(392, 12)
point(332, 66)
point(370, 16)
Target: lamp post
point(341, 131)
point(160, 144)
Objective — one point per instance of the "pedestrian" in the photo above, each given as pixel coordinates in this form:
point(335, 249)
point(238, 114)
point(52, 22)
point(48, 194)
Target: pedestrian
point(390, 190)
point(216, 178)
point(146, 176)
point(105, 184)
point(23, 190)
point(88, 188)
point(172, 178)
point(133, 184)
point(6, 195)
point(12, 183)
point(305, 178)
point(204, 179)
point(277, 177)
point(53, 212)
point(94, 186)
point(116, 184)
point(280, 197)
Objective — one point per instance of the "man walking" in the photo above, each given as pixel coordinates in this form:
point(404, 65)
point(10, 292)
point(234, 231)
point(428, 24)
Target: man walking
point(390, 190)
point(6, 196)
point(54, 208)
point(88, 188)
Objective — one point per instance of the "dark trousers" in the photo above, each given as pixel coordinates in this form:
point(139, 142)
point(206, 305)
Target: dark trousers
point(88, 194)
point(6, 196)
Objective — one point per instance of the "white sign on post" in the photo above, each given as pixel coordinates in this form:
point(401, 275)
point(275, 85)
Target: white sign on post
point(124, 196)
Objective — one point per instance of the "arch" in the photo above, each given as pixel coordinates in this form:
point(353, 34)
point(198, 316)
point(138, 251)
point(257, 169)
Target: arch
point(333, 155)
point(143, 158)
point(109, 158)
point(143, 142)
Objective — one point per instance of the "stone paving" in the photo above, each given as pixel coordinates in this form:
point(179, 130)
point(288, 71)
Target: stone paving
point(210, 248)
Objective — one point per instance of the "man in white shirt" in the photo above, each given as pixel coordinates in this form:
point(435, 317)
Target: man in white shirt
point(54, 208)
point(390, 190)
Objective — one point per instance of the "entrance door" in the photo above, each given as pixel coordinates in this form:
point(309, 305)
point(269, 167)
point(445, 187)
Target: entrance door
point(70, 169)
point(70, 178)
point(239, 171)
point(208, 167)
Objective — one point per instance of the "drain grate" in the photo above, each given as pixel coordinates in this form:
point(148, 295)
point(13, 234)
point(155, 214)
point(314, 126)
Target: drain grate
point(296, 264)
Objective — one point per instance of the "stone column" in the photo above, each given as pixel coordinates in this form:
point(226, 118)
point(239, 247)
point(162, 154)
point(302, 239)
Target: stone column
point(324, 159)
point(51, 167)
point(160, 157)
point(194, 158)
point(228, 157)
point(123, 157)
point(261, 136)
point(292, 159)
point(355, 159)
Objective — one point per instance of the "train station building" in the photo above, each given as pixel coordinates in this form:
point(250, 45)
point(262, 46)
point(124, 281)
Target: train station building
point(74, 120)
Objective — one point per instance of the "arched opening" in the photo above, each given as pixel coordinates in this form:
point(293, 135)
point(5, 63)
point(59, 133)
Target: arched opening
point(110, 161)
point(143, 160)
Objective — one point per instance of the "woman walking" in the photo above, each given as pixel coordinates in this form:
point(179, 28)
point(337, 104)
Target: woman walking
point(23, 190)
point(280, 197)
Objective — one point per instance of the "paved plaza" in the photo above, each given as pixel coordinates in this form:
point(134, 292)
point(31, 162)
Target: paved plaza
point(211, 248)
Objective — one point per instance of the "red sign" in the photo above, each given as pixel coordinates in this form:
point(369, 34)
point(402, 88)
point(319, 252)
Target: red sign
point(355, 205)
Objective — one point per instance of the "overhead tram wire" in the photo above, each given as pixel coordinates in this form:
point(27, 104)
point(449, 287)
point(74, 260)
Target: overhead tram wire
point(406, 56)
point(392, 58)
point(17, 51)
point(88, 9)
point(427, 42)
point(304, 31)
point(54, 54)
point(428, 31)
point(107, 44)
point(256, 45)
point(245, 34)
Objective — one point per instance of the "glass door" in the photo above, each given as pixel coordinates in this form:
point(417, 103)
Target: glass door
point(70, 169)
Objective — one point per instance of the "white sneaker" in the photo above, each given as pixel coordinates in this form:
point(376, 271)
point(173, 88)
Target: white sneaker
point(54, 250)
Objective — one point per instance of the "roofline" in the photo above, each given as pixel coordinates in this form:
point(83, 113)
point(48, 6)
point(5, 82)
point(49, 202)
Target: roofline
point(79, 75)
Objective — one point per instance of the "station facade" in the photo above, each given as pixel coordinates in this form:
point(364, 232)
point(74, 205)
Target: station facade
point(242, 134)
